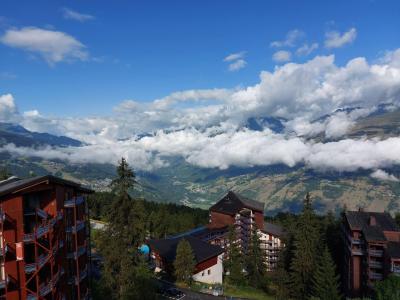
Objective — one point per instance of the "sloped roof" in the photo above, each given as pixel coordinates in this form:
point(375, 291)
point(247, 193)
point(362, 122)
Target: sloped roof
point(360, 219)
point(14, 184)
point(202, 251)
point(273, 229)
point(232, 203)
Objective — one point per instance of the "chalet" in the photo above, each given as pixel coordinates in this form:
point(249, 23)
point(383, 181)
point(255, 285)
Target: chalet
point(208, 257)
point(372, 250)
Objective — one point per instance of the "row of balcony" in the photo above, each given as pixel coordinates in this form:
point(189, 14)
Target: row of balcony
point(42, 259)
point(41, 230)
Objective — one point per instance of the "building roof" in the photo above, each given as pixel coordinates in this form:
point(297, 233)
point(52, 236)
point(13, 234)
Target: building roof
point(273, 229)
point(232, 203)
point(393, 250)
point(360, 219)
point(202, 251)
point(372, 224)
point(13, 184)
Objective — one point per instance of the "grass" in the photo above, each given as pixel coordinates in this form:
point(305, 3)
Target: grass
point(245, 292)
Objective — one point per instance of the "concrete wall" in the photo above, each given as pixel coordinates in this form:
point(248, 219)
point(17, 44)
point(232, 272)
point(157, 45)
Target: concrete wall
point(212, 274)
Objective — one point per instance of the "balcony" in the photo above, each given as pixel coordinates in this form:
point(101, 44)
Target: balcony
point(82, 275)
point(375, 276)
point(77, 254)
point(74, 229)
point(376, 264)
point(396, 269)
point(376, 253)
point(74, 201)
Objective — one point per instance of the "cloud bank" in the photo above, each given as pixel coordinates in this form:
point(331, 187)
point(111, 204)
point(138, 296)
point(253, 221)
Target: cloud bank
point(208, 127)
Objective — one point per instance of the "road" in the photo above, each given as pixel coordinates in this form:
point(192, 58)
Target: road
point(191, 295)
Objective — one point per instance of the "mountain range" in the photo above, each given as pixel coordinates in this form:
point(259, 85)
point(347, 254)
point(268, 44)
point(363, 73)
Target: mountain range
point(280, 187)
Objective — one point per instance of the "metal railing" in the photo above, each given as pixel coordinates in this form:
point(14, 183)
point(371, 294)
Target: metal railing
point(373, 252)
point(74, 201)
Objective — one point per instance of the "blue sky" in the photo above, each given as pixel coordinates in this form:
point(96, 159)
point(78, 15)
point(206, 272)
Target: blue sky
point(145, 51)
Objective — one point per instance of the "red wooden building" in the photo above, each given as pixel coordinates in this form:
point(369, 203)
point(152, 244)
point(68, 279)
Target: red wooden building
point(44, 239)
point(372, 250)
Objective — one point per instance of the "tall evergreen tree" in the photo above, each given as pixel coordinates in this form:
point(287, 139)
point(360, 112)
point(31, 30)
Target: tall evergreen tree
point(305, 252)
point(325, 281)
point(255, 262)
point(184, 263)
point(125, 232)
point(234, 261)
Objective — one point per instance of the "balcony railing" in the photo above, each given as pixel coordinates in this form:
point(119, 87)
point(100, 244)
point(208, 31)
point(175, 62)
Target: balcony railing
point(77, 254)
point(74, 229)
point(375, 276)
point(378, 253)
point(74, 201)
point(396, 269)
point(41, 230)
point(376, 264)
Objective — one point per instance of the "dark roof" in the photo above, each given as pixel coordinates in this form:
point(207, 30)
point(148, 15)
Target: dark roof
point(359, 219)
point(13, 185)
point(373, 233)
point(202, 251)
point(232, 203)
point(372, 224)
point(393, 250)
point(273, 229)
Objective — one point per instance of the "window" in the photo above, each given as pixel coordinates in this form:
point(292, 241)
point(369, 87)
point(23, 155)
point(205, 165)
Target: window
point(209, 271)
point(202, 273)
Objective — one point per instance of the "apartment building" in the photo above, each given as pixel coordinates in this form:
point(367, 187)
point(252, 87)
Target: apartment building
point(245, 215)
point(372, 242)
point(44, 239)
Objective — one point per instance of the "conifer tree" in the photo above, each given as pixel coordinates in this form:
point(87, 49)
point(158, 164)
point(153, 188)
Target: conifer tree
point(325, 281)
point(125, 232)
point(234, 260)
point(184, 263)
point(255, 262)
point(305, 252)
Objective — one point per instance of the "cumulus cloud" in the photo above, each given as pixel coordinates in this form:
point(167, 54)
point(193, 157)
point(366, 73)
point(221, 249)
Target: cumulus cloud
point(291, 38)
point(70, 14)
point(53, 46)
point(206, 127)
point(8, 109)
point(382, 175)
point(282, 56)
point(334, 39)
point(307, 49)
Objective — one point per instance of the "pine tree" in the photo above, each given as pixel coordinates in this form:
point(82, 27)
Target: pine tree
point(255, 262)
point(234, 260)
point(184, 263)
point(125, 232)
point(325, 281)
point(305, 252)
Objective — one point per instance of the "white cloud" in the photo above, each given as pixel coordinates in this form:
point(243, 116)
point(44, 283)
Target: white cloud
point(53, 46)
point(334, 39)
point(237, 65)
point(236, 61)
point(8, 109)
point(235, 56)
point(382, 175)
point(205, 127)
point(307, 49)
point(282, 56)
point(291, 38)
point(74, 15)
